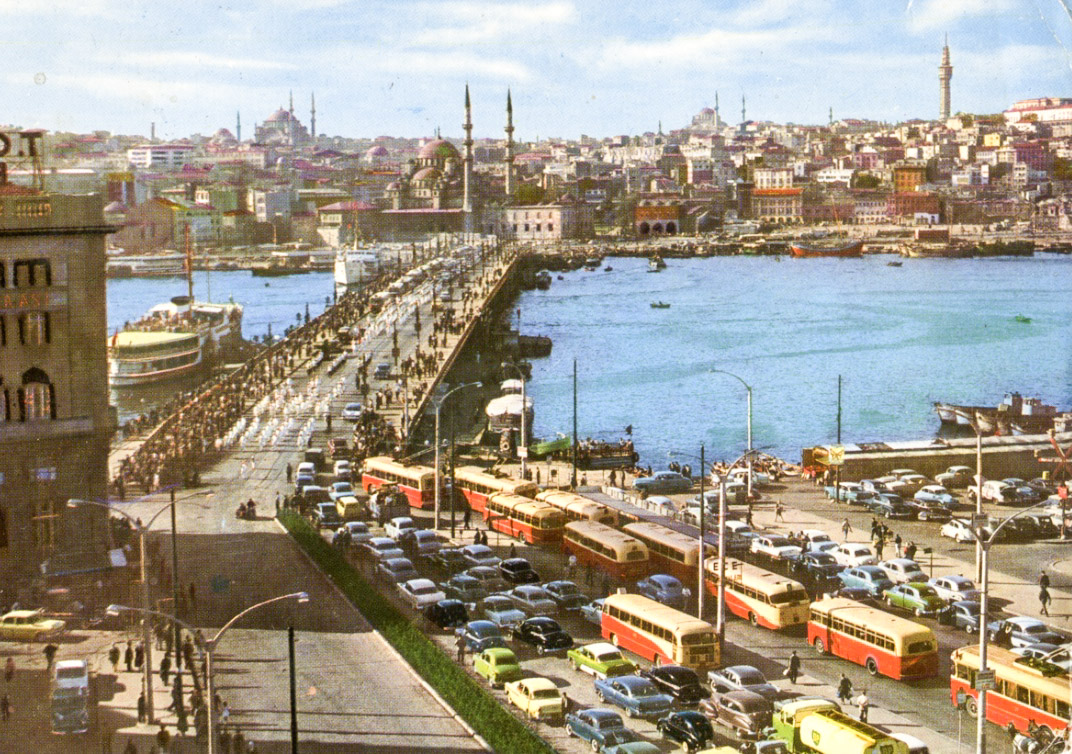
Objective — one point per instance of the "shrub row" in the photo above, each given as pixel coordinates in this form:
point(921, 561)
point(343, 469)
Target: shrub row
point(473, 703)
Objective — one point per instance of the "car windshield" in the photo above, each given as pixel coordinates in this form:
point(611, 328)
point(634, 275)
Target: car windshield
point(750, 677)
point(778, 541)
point(608, 656)
point(425, 590)
point(823, 559)
point(567, 589)
point(644, 689)
point(545, 694)
point(1039, 629)
point(70, 673)
point(498, 604)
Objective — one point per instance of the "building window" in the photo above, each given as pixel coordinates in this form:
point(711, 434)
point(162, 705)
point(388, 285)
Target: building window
point(550, 227)
point(34, 329)
point(32, 272)
point(45, 524)
point(5, 410)
point(3, 274)
point(36, 396)
point(538, 227)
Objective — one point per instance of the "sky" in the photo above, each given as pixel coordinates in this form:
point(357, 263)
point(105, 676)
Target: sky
point(398, 67)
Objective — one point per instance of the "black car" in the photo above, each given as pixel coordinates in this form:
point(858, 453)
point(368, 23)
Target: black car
point(327, 516)
point(816, 566)
point(448, 561)
point(858, 594)
point(518, 571)
point(543, 633)
point(447, 614)
point(963, 614)
point(689, 728)
point(679, 682)
point(567, 594)
point(891, 506)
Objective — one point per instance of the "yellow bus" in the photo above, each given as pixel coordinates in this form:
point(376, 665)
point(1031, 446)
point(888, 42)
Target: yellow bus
point(579, 508)
point(416, 482)
point(882, 643)
point(669, 551)
point(535, 522)
point(477, 484)
point(659, 633)
point(758, 595)
point(610, 550)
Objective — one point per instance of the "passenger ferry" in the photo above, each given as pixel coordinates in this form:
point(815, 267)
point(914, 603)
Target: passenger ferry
point(354, 267)
point(171, 264)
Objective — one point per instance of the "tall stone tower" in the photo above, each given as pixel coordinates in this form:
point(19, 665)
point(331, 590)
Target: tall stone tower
point(467, 176)
point(238, 126)
point(291, 136)
point(312, 115)
point(945, 73)
point(509, 158)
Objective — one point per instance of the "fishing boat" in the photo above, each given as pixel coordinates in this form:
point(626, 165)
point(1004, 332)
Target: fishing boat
point(1014, 415)
point(592, 263)
point(1023, 319)
point(543, 280)
point(894, 264)
point(824, 248)
point(659, 305)
point(656, 263)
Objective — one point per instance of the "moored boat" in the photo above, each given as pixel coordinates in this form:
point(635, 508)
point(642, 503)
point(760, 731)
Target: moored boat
point(839, 248)
point(656, 263)
point(659, 305)
point(543, 280)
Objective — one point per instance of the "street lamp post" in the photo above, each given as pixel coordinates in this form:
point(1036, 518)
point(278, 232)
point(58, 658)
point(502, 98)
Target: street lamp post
point(210, 647)
point(523, 447)
point(748, 388)
point(147, 639)
point(703, 506)
point(438, 407)
point(979, 567)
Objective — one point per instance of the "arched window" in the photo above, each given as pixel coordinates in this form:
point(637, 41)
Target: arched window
point(36, 396)
point(34, 329)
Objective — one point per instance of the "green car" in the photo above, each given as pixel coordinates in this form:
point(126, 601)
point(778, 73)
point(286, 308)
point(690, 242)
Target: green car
point(601, 660)
point(497, 665)
point(921, 599)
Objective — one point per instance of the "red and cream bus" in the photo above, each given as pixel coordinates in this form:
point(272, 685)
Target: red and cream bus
point(476, 484)
point(522, 517)
point(659, 633)
point(669, 551)
point(883, 643)
point(604, 547)
point(757, 595)
point(416, 482)
point(1025, 691)
point(578, 508)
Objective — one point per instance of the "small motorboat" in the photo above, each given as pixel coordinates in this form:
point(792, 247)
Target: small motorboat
point(1023, 319)
point(894, 264)
point(659, 305)
point(608, 268)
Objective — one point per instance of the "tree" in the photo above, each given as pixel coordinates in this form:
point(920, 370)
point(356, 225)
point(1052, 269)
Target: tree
point(529, 193)
point(865, 181)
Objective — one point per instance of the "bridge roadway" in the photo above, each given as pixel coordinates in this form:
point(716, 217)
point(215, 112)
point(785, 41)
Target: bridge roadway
point(353, 689)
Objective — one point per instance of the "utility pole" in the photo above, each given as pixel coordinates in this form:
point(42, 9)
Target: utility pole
point(175, 582)
point(293, 694)
point(573, 477)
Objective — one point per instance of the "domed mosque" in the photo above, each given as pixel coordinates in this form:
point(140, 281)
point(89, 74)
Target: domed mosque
point(434, 180)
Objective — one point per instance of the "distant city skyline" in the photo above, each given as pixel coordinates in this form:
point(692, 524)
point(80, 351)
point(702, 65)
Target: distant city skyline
point(595, 68)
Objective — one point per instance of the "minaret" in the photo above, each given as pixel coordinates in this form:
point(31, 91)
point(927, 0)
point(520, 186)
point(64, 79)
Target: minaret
point(467, 176)
point(831, 116)
point(509, 159)
point(290, 123)
point(716, 109)
point(945, 73)
point(312, 116)
point(238, 126)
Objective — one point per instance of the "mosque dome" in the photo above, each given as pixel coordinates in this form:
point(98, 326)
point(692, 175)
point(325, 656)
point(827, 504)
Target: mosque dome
point(279, 116)
point(377, 151)
point(428, 174)
point(440, 149)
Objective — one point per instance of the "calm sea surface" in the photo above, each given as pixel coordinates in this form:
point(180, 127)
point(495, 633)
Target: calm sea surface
point(901, 337)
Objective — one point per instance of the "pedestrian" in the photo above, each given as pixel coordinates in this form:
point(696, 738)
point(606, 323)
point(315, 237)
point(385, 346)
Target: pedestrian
point(778, 510)
point(910, 550)
point(876, 529)
point(613, 479)
point(5, 707)
point(113, 657)
point(225, 714)
point(139, 656)
point(513, 550)
point(897, 543)
point(571, 566)
point(141, 707)
point(50, 654)
point(467, 517)
point(538, 475)
point(880, 544)
point(9, 669)
point(182, 724)
point(863, 703)
point(584, 480)
point(846, 527)
point(748, 516)
point(165, 669)
point(459, 643)
point(128, 657)
point(1044, 580)
point(290, 473)
point(238, 741)
point(1044, 600)
point(844, 689)
point(163, 738)
point(793, 671)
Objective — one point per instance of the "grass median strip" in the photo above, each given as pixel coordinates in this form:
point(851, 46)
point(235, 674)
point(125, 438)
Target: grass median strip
point(481, 710)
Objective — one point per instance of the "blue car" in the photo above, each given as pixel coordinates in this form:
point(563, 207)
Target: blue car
point(597, 726)
point(665, 589)
point(482, 634)
point(638, 696)
point(502, 612)
point(593, 611)
point(871, 578)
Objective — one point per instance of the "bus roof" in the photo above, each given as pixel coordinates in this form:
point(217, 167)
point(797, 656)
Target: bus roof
point(659, 533)
point(388, 462)
point(603, 532)
point(880, 620)
point(753, 575)
point(669, 617)
point(1007, 666)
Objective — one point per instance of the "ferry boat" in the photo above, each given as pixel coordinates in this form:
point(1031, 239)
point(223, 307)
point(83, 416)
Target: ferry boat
point(1015, 415)
point(172, 264)
point(656, 263)
point(354, 267)
point(838, 248)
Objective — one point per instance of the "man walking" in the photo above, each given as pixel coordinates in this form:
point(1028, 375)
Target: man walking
point(846, 527)
point(128, 658)
point(165, 669)
point(844, 689)
point(113, 657)
point(460, 645)
point(863, 703)
point(1044, 600)
point(793, 671)
point(778, 510)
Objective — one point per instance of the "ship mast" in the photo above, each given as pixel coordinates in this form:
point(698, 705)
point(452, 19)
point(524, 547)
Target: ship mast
point(189, 266)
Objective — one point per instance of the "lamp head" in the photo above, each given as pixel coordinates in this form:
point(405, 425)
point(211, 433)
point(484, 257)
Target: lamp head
point(75, 503)
point(113, 610)
point(303, 597)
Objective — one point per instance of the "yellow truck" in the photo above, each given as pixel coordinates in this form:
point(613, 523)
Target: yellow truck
point(821, 728)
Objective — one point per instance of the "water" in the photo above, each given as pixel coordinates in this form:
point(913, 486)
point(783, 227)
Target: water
point(901, 337)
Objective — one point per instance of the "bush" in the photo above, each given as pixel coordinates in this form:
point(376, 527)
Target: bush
point(473, 703)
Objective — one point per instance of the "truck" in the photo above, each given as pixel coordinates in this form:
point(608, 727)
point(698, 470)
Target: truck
point(817, 725)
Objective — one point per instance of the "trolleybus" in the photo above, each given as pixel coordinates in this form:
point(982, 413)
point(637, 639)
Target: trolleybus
point(522, 517)
point(417, 483)
point(760, 596)
point(606, 548)
point(670, 551)
point(476, 485)
point(578, 508)
point(659, 633)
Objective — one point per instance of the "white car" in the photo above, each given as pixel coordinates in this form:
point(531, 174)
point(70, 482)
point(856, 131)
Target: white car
point(343, 471)
point(359, 532)
point(955, 588)
point(420, 593)
point(352, 412)
point(826, 547)
point(816, 536)
point(958, 530)
point(759, 479)
point(774, 546)
point(397, 525)
point(903, 571)
point(853, 554)
point(307, 467)
point(740, 530)
point(72, 674)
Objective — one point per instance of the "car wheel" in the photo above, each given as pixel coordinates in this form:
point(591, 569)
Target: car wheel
point(972, 706)
point(595, 744)
point(819, 646)
point(614, 639)
point(630, 712)
point(540, 650)
point(871, 665)
point(656, 660)
point(919, 612)
point(754, 619)
point(968, 629)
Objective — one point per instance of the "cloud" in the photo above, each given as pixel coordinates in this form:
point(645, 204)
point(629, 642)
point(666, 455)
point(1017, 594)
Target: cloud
point(486, 22)
point(192, 59)
point(932, 15)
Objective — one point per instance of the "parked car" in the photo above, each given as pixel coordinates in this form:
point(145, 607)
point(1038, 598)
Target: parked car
point(480, 635)
point(902, 570)
point(996, 491)
point(890, 505)
point(327, 516)
point(954, 588)
point(383, 371)
point(539, 698)
point(497, 665)
point(599, 727)
point(489, 577)
point(857, 594)
point(546, 634)
point(532, 600)
point(665, 589)
point(958, 529)
point(1023, 631)
point(71, 674)
point(419, 543)
point(601, 659)
point(774, 546)
point(688, 728)
point(447, 613)
point(343, 471)
point(682, 683)
point(927, 510)
point(448, 561)
point(352, 411)
point(340, 489)
point(853, 554)
point(383, 548)
point(464, 588)
point(910, 484)
point(1045, 487)
point(956, 477)
point(746, 712)
point(935, 493)
point(480, 555)
point(917, 597)
point(662, 482)
point(593, 612)
point(350, 508)
point(501, 611)
point(815, 538)
point(965, 614)
point(638, 696)
point(852, 493)
point(869, 577)
point(420, 593)
point(397, 525)
point(396, 570)
point(745, 677)
point(518, 571)
point(567, 595)
point(1025, 493)
point(874, 486)
point(816, 566)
